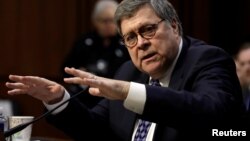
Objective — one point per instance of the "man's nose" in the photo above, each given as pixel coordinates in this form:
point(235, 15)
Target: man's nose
point(142, 43)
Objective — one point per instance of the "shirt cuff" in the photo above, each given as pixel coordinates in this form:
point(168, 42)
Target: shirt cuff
point(52, 106)
point(136, 98)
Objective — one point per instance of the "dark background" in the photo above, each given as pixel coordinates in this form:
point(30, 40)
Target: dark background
point(36, 35)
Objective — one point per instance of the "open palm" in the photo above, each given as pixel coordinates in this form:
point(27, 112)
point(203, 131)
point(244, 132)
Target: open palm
point(39, 88)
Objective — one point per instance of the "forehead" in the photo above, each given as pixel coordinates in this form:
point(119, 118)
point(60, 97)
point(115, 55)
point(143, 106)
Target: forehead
point(106, 13)
point(144, 15)
point(245, 54)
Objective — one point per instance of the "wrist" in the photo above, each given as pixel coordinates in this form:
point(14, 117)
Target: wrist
point(125, 90)
point(56, 99)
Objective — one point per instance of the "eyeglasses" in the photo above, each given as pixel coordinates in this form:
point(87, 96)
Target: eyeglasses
point(146, 32)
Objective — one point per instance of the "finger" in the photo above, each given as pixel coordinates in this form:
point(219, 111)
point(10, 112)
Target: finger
point(34, 80)
point(16, 85)
point(16, 78)
point(95, 92)
point(17, 91)
point(75, 80)
point(78, 73)
point(97, 83)
point(28, 80)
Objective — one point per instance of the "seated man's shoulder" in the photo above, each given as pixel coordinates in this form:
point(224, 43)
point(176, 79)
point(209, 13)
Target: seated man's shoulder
point(127, 66)
point(199, 48)
point(128, 72)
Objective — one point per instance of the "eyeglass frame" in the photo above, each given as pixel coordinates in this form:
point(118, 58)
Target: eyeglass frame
point(155, 26)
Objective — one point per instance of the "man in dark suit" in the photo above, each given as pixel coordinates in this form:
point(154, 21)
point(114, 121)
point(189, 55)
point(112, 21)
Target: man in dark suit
point(177, 88)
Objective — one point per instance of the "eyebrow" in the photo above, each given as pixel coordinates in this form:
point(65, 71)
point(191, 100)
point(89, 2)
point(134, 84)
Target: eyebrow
point(143, 24)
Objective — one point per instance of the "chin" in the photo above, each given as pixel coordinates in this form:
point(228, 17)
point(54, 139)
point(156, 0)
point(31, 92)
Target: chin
point(152, 69)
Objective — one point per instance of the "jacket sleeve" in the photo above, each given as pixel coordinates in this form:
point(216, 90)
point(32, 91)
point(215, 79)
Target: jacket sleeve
point(81, 123)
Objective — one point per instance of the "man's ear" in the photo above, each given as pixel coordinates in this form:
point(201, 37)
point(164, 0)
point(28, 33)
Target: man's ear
point(175, 26)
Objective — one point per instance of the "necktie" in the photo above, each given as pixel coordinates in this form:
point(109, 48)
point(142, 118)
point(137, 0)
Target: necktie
point(143, 127)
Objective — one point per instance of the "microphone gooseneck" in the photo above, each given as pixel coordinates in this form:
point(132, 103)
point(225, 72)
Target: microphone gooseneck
point(24, 125)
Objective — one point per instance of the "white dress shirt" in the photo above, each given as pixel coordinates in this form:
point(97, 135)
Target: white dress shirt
point(135, 100)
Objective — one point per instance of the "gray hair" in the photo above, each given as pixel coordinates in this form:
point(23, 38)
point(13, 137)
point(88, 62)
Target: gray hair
point(102, 5)
point(162, 8)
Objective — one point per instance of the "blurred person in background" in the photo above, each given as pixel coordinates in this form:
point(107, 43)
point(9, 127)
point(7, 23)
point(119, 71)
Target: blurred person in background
point(99, 52)
point(242, 61)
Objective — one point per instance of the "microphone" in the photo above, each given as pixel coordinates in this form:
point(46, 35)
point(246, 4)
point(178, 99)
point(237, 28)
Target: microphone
point(24, 125)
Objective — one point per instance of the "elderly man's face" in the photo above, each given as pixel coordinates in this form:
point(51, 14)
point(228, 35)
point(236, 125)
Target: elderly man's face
point(155, 55)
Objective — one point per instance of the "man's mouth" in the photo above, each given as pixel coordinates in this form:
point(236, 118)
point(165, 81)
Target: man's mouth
point(149, 57)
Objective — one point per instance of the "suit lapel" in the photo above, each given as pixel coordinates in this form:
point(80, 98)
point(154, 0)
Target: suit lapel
point(177, 75)
point(129, 124)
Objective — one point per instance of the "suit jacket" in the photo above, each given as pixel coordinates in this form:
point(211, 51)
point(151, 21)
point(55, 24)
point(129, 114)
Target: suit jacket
point(203, 94)
point(246, 97)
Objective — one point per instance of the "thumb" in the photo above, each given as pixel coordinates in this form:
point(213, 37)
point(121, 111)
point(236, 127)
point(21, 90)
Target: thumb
point(95, 92)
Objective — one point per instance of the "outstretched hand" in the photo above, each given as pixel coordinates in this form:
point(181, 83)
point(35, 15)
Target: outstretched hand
point(99, 86)
point(39, 88)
